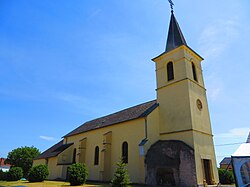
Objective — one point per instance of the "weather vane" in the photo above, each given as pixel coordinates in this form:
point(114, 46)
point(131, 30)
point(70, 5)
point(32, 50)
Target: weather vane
point(171, 5)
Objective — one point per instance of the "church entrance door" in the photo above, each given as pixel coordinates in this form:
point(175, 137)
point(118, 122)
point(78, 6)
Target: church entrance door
point(207, 171)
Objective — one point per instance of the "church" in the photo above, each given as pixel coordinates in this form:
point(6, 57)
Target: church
point(167, 141)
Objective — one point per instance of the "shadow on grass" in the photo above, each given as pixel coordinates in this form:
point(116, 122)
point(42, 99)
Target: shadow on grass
point(51, 184)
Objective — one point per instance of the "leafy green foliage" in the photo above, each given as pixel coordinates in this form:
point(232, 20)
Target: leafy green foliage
point(226, 177)
point(3, 175)
point(121, 177)
point(14, 174)
point(77, 174)
point(22, 157)
point(38, 173)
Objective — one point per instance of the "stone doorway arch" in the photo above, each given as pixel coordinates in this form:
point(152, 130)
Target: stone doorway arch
point(170, 163)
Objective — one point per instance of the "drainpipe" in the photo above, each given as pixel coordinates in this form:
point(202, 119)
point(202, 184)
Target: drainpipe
point(146, 127)
point(144, 141)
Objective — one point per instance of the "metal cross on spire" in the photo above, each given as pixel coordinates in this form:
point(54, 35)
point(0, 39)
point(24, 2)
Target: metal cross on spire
point(171, 5)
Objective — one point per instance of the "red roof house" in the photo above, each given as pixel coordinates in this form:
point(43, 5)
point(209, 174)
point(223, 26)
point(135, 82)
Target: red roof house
point(3, 166)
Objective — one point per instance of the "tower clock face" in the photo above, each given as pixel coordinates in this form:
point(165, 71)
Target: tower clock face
point(199, 104)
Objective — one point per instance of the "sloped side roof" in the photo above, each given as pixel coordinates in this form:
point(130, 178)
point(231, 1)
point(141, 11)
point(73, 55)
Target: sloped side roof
point(248, 138)
point(242, 151)
point(54, 150)
point(131, 113)
point(226, 160)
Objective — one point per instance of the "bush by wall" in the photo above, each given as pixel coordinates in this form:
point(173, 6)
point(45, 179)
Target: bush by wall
point(14, 174)
point(77, 174)
point(38, 173)
point(226, 177)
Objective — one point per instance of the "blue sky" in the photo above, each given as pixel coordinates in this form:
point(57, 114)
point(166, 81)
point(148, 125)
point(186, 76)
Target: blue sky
point(66, 62)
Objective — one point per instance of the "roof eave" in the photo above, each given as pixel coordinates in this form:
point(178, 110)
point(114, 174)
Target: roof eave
point(200, 57)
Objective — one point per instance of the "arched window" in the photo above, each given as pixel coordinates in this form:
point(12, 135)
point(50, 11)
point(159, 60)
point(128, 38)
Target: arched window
point(96, 162)
point(194, 72)
point(170, 71)
point(74, 156)
point(125, 152)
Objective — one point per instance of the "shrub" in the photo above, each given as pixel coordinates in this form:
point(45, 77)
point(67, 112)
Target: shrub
point(226, 177)
point(121, 177)
point(14, 174)
point(38, 173)
point(3, 175)
point(77, 174)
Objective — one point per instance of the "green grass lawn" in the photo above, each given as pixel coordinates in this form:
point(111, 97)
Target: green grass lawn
point(44, 184)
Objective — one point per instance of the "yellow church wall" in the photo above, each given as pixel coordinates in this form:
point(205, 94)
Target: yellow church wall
point(185, 136)
point(65, 157)
point(182, 58)
point(175, 114)
point(204, 149)
point(55, 171)
point(200, 117)
point(174, 95)
point(39, 161)
point(175, 56)
point(190, 58)
point(131, 131)
point(153, 128)
point(133, 136)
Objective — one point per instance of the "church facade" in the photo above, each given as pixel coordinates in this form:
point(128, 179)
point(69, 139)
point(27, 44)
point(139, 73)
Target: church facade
point(167, 141)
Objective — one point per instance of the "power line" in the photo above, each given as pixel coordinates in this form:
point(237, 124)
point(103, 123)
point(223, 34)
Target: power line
point(230, 144)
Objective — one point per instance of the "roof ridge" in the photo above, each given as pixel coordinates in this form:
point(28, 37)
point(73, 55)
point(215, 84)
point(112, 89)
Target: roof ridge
point(134, 112)
point(120, 111)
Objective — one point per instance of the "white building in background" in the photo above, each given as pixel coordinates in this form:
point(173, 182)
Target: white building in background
point(241, 164)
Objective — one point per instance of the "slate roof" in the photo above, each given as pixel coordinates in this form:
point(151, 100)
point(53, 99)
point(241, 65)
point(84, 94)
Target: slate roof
point(54, 150)
point(131, 113)
point(175, 36)
point(226, 160)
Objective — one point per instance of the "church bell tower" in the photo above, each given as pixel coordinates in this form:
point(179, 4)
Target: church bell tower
point(183, 108)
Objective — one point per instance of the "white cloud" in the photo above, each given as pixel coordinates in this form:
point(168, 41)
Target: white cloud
point(214, 93)
point(215, 87)
point(216, 37)
point(94, 13)
point(70, 98)
point(48, 138)
point(235, 133)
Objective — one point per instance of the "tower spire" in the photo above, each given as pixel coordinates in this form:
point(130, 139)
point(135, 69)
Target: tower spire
point(175, 36)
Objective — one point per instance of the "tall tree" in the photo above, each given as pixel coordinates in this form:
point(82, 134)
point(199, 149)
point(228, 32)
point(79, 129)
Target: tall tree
point(22, 157)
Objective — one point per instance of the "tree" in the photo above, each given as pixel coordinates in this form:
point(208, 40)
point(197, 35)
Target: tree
point(226, 177)
point(22, 157)
point(121, 177)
